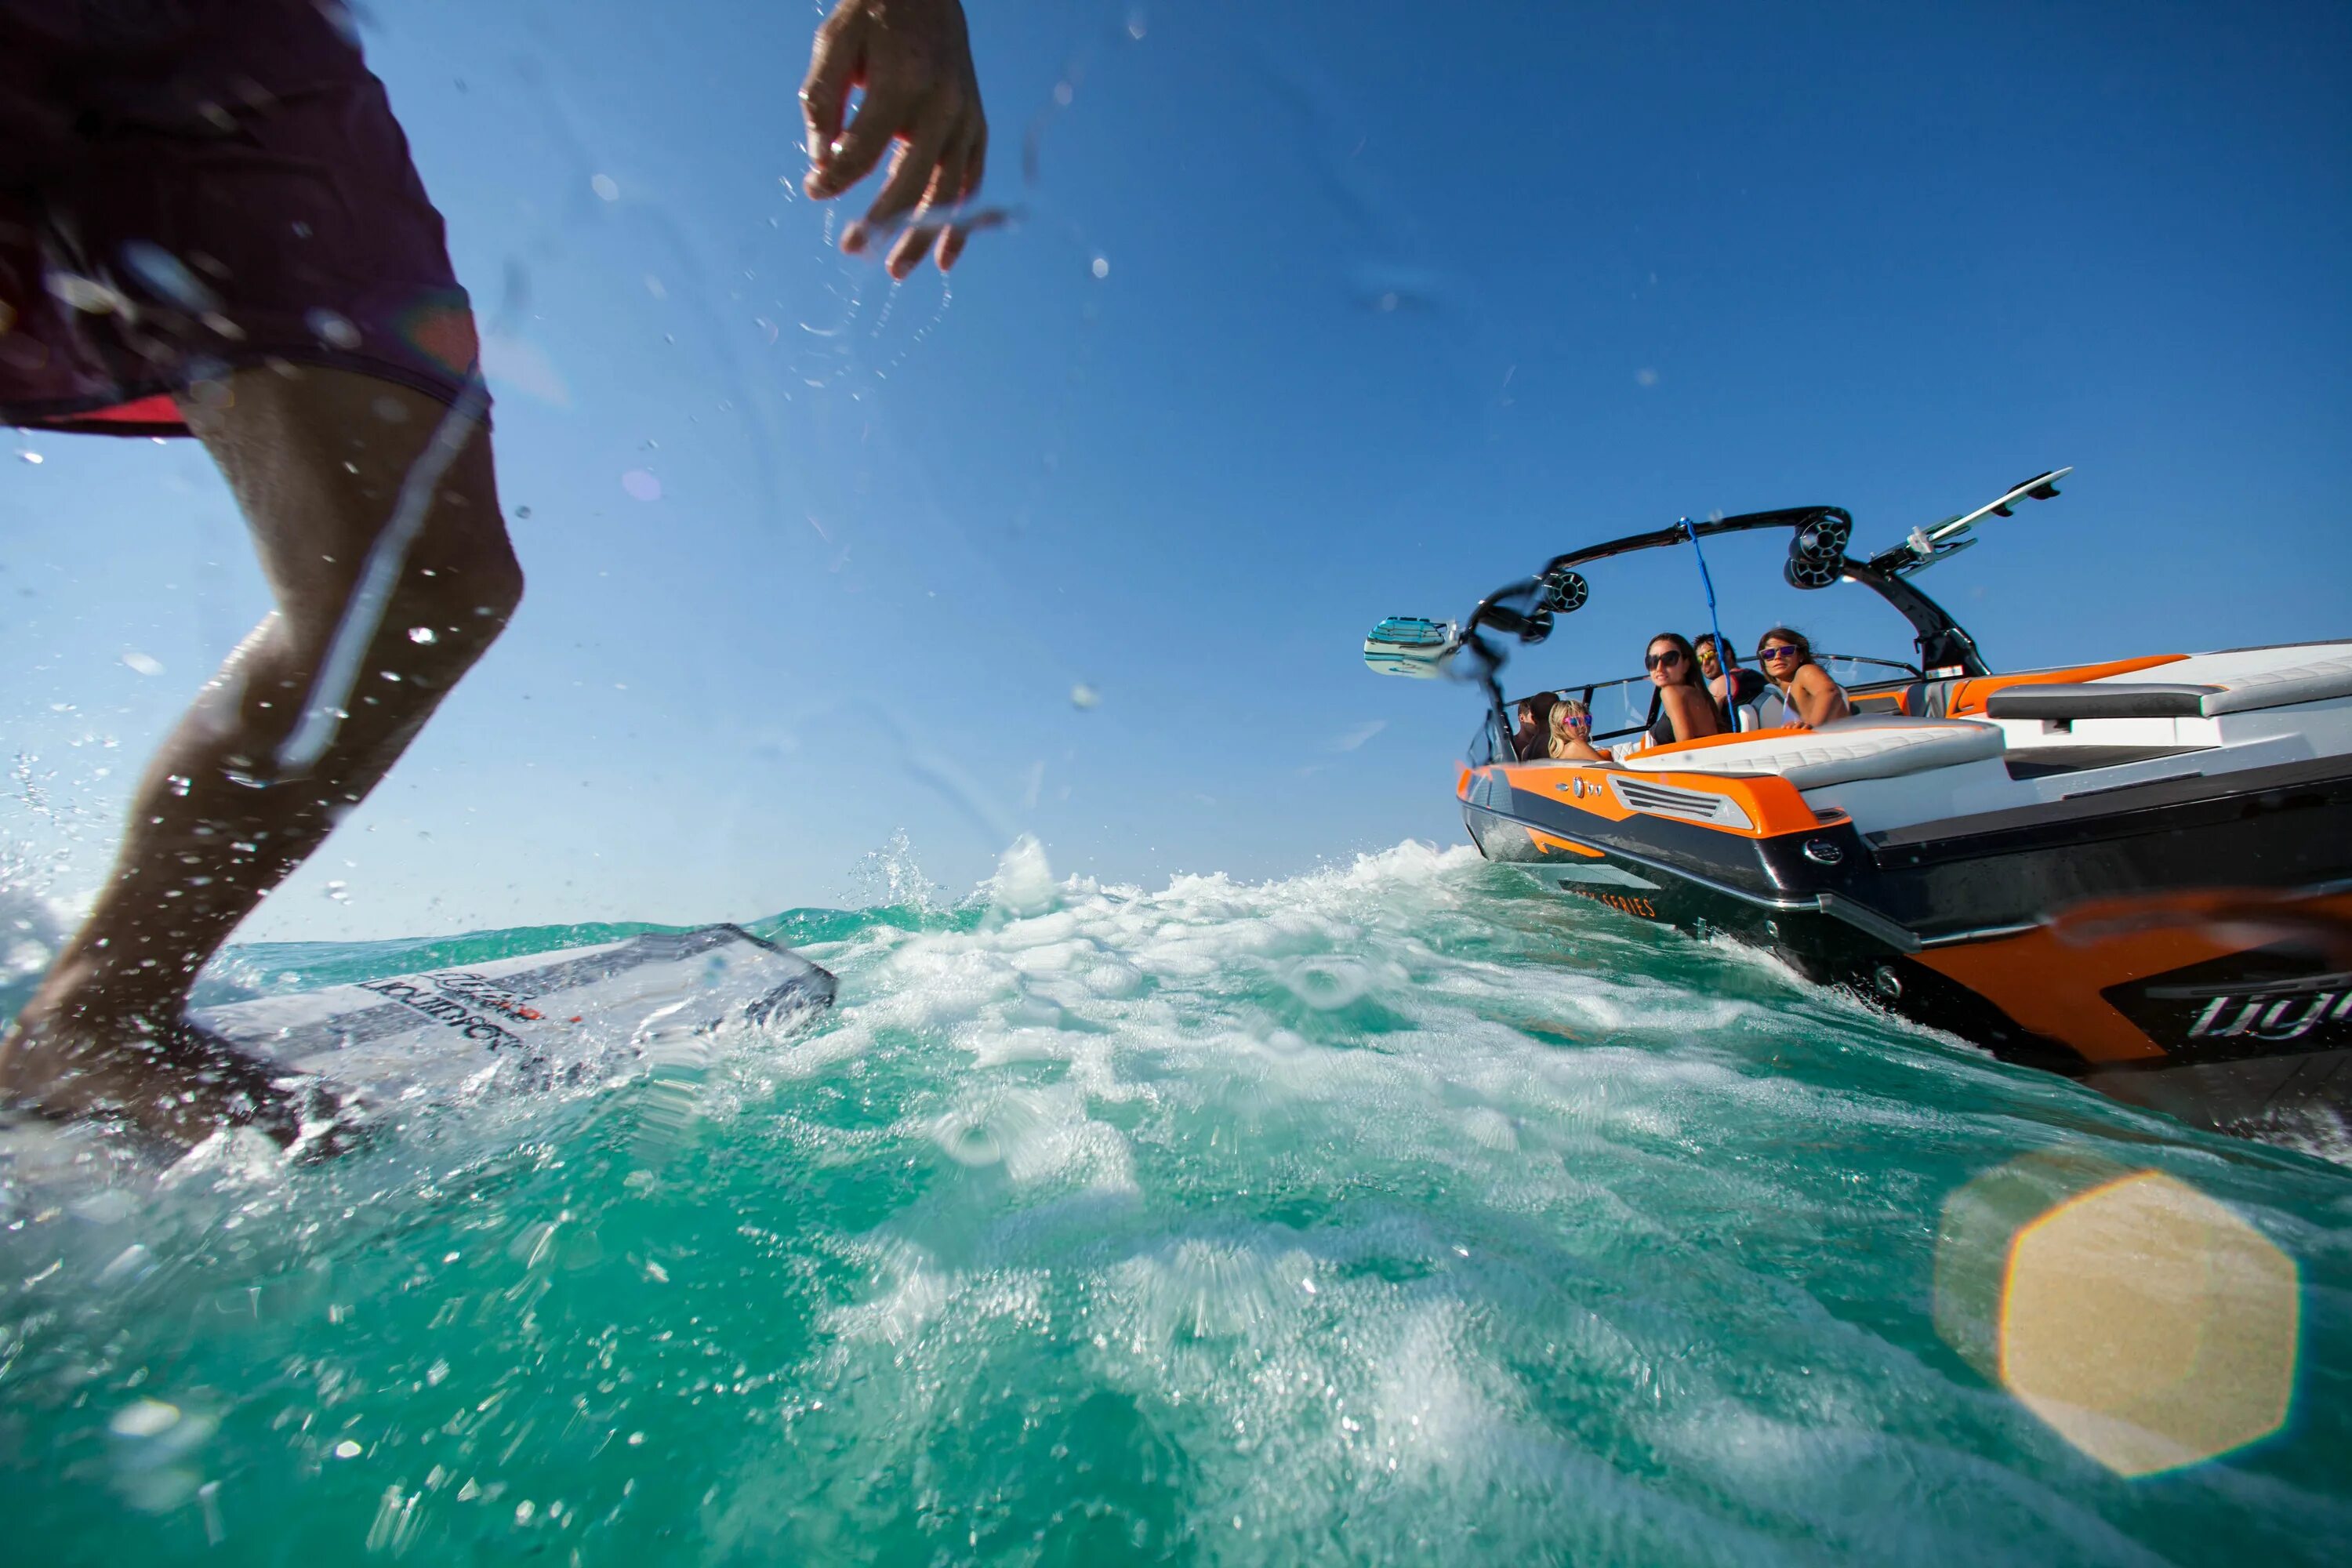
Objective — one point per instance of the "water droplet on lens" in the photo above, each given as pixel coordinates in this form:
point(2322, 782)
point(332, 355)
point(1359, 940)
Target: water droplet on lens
point(333, 329)
point(640, 484)
point(1102, 267)
point(180, 784)
point(605, 186)
point(346, 1449)
point(420, 633)
point(1082, 696)
point(144, 1418)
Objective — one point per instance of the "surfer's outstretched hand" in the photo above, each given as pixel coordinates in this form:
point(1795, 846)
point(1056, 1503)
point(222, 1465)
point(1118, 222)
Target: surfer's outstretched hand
point(913, 58)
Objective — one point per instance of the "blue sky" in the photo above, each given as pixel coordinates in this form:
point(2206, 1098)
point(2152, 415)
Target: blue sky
point(1313, 314)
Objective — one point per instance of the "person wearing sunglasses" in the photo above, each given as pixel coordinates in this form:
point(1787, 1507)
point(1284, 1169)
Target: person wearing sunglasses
point(1685, 711)
point(1814, 699)
point(1721, 670)
point(1571, 733)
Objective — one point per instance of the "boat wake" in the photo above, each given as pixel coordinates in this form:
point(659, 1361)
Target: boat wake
point(1396, 1211)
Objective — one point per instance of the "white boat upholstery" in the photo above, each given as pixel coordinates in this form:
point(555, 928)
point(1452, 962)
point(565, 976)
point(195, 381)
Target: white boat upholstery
point(1871, 748)
point(2256, 678)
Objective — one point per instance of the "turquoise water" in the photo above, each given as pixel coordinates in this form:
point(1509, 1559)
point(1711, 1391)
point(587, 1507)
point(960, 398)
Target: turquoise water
point(1396, 1212)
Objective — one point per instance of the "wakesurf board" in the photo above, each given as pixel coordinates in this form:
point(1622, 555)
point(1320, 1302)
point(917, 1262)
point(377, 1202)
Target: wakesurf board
point(578, 1014)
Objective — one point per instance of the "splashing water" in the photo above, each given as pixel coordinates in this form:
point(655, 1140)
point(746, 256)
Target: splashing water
point(1389, 1213)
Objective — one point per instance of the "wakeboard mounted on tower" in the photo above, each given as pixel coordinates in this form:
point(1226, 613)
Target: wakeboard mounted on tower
point(1925, 546)
point(1412, 646)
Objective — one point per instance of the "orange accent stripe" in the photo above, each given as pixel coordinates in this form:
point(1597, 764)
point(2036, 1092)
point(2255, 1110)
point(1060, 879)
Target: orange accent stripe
point(1677, 747)
point(1543, 840)
point(2050, 979)
point(1969, 696)
point(1773, 805)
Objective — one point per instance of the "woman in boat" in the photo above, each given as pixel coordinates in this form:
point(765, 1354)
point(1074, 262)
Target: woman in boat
point(1814, 699)
point(1571, 733)
point(1685, 711)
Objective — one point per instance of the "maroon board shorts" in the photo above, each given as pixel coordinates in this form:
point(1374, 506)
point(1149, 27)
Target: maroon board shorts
point(188, 186)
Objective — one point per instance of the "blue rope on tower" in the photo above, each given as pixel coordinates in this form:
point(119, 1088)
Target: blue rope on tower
point(1722, 649)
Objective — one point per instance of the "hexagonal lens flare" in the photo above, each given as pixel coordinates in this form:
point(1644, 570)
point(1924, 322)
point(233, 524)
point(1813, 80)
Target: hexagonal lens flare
point(2149, 1325)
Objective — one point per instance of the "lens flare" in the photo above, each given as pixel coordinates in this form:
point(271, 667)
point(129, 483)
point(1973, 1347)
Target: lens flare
point(2149, 1325)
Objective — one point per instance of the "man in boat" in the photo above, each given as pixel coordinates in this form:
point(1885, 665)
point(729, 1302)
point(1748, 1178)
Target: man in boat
point(1731, 684)
point(210, 227)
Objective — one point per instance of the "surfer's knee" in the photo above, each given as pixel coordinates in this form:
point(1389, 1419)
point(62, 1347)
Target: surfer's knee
point(469, 589)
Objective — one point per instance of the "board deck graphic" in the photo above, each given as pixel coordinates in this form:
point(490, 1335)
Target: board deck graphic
point(534, 1021)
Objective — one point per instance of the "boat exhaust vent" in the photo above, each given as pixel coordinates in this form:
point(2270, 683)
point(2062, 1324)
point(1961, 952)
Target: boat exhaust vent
point(1690, 804)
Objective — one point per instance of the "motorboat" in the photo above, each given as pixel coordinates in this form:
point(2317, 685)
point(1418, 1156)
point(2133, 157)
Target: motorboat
point(2136, 873)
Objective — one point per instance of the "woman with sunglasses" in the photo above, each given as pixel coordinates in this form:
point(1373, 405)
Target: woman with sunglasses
point(1813, 699)
point(1685, 710)
point(1571, 733)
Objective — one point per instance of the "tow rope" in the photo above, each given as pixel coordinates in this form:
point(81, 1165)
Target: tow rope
point(1722, 649)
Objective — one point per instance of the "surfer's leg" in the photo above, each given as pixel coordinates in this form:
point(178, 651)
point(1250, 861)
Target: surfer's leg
point(317, 459)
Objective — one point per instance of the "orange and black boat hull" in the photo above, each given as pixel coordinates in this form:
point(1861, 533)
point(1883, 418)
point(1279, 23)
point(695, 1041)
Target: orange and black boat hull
point(2185, 945)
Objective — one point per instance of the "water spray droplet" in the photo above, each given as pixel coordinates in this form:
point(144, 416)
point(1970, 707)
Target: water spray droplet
point(333, 329)
point(144, 1418)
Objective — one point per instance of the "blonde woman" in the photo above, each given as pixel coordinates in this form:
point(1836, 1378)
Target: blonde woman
point(1571, 733)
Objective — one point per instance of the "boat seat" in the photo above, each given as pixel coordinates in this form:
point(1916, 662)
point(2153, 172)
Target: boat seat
point(1871, 748)
point(2203, 685)
point(2100, 699)
point(2253, 678)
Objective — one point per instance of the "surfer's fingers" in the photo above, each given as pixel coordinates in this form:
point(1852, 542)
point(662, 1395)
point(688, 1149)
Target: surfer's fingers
point(886, 114)
point(909, 176)
point(837, 63)
point(954, 239)
point(945, 190)
point(975, 167)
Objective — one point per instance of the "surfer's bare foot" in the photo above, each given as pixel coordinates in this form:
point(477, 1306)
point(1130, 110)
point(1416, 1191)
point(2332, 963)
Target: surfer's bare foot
point(169, 1080)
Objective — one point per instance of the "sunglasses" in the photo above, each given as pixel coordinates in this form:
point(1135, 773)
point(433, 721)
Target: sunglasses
point(1666, 660)
point(1771, 653)
point(1578, 723)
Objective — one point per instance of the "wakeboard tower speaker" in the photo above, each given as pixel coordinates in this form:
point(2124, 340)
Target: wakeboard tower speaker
point(1817, 553)
point(1564, 592)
